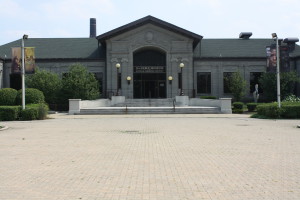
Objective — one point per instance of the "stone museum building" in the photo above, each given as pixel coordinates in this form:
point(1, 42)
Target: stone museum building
point(151, 58)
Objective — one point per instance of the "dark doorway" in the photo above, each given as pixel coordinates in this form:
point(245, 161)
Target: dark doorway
point(149, 85)
point(16, 81)
point(149, 74)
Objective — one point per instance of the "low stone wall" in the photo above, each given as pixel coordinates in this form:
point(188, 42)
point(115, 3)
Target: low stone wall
point(95, 103)
point(223, 103)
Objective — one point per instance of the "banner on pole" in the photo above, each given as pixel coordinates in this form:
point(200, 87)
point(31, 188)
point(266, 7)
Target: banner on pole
point(16, 60)
point(271, 58)
point(29, 60)
point(16, 66)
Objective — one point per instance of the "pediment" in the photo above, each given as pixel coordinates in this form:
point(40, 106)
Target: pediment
point(153, 21)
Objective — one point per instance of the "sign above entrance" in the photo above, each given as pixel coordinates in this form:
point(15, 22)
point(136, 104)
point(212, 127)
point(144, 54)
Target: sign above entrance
point(150, 69)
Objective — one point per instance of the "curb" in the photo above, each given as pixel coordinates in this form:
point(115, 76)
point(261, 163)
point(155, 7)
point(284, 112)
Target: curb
point(3, 128)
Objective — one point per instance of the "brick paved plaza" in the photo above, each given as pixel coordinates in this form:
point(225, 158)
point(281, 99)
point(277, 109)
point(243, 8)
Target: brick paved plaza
point(155, 157)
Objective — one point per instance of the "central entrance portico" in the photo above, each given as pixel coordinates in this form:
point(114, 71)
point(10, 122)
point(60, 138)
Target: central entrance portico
point(148, 51)
point(149, 73)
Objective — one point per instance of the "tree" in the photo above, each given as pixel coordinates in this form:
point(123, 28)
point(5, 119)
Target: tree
point(237, 86)
point(268, 82)
point(79, 84)
point(47, 82)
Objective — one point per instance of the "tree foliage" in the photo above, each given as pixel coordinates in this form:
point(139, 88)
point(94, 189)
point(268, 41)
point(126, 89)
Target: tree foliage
point(268, 82)
point(237, 86)
point(79, 84)
point(47, 82)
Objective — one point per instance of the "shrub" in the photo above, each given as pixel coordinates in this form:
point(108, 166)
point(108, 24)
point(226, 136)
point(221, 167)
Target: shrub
point(29, 114)
point(79, 84)
point(238, 105)
point(291, 110)
point(8, 96)
point(42, 110)
point(236, 110)
point(32, 96)
point(251, 106)
point(237, 85)
point(269, 110)
point(208, 97)
point(35, 111)
point(9, 113)
point(287, 84)
point(47, 82)
point(291, 98)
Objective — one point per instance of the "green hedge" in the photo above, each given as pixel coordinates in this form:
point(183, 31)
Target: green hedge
point(291, 111)
point(251, 106)
point(31, 112)
point(238, 105)
point(9, 113)
point(32, 96)
point(270, 110)
point(8, 96)
point(34, 112)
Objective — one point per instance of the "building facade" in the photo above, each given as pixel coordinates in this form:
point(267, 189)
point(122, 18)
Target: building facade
point(151, 58)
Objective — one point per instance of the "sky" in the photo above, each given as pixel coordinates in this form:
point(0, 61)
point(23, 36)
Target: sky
point(209, 18)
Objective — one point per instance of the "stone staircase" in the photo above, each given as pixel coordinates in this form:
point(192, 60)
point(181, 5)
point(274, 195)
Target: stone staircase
point(146, 103)
point(149, 106)
point(150, 110)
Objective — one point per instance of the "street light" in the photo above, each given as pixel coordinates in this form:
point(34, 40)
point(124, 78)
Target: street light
point(181, 65)
point(25, 37)
point(118, 65)
point(274, 36)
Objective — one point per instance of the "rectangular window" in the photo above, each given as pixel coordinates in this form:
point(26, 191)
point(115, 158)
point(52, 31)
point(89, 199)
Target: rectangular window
point(226, 81)
point(254, 78)
point(204, 82)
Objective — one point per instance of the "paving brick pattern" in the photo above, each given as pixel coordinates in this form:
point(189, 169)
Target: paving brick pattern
point(155, 157)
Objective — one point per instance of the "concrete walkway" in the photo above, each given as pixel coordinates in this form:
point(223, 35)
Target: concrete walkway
point(155, 157)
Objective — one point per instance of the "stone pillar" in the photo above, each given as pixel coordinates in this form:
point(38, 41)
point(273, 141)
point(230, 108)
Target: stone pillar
point(117, 100)
point(74, 106)
point(182, 100)
point(225, 105)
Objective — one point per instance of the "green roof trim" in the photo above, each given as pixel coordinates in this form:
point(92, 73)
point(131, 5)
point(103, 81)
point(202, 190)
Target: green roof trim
point(59, 48)
point(235, 48)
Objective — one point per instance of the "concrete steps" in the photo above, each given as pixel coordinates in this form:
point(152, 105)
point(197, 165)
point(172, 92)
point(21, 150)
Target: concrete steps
point(146, 103)
point(150, 110)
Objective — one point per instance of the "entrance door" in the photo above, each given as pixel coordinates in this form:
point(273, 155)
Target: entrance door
point(149, 85)
point(149, 74)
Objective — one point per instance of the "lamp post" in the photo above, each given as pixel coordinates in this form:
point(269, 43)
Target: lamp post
point(25, 37)
point(274, 36)
point(181, 65)
point(128, 79)
point(118, 65)
point(170, 78)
